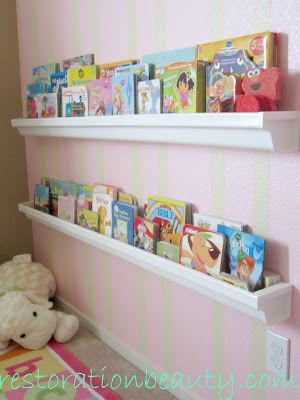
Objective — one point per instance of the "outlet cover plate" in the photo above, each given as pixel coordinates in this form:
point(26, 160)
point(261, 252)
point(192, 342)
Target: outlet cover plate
point(278, 354)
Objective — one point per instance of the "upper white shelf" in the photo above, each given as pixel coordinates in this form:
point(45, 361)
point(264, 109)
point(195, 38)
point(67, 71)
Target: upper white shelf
point(269, 131)
point(271, 305)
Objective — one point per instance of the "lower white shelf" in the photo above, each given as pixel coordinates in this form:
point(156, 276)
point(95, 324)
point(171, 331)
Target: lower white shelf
point(271, 305)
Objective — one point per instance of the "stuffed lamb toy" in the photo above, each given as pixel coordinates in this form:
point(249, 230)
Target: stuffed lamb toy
point(25, 315)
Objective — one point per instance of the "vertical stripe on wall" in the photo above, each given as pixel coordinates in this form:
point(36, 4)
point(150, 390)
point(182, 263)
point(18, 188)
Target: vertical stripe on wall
point(75, 27)
point(167, 325)
point(218, 202)
point(107, 292)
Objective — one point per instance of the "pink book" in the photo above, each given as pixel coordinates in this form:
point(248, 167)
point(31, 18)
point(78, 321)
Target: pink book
point(66, 208)
point(100, 101)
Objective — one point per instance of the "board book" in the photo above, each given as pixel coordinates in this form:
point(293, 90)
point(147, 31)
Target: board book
point(145, 234)
point(47, 105)
point(202, 250)
point(123, 216)
point(41, 198)
point(211, 223)
point(168, 251)
point(234, 280)
point(58, 80)
point(32, 90)
point(149, 97)
point(103, 196)
point(171, 215)
point(143, 72)
point(78, 61)
point(127, 198)
point(82, 76)
point(108, 70)
point(42, 74)
point(88, 219)
point(245, 255)
point(66, 208)
point(183, 87)
point(124, 94)
point(100, 97)
point(165, 58)
point(75, 102)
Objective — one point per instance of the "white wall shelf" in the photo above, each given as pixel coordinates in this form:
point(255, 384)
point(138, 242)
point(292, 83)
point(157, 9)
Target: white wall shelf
point(268, 131)
point(271, 305)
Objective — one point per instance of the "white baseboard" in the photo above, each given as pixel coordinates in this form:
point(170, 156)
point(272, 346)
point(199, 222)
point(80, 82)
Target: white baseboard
point(121, 348)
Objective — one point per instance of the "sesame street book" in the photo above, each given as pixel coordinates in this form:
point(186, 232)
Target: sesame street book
point(41, 198)
point(100, 98)
point(103, 196)
point(245, 255)
point(149, 97)
point(171, 215)
point(145, 234)
point(202, 250)
point(123, 216)
point(124, 94)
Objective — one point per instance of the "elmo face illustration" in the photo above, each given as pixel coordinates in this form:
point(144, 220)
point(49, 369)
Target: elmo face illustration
point(263, 82)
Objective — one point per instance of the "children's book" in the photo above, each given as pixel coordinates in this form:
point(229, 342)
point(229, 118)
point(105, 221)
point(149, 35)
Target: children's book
point(79, 61)
point(123, 216)
point(183, 87)
point(58, 80)
point(127, 198)
point(69, 189)
point(103, 196)
point(202, 250)
point(32, 91)
point(100, 98)
point(168, 251)
point(55, 191)
point(211, 223)
point(75, 102)
point(145, 234)
point(42, 74)
point(41, 198)
point(245, 255)
point(270, 278)
point(143, 72)
point(88, 219)
point(47, 105)
point(82, 76)
point(66, 208)
point(170, 57)
point(171, 215)
point(124, 94)
point(108, 70)
point(149, 97)
point(234, 280)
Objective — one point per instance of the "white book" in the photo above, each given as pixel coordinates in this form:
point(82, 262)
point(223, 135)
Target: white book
point(211, 223)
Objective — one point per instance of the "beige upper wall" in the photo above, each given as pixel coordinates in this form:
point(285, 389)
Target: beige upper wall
point(15, 230)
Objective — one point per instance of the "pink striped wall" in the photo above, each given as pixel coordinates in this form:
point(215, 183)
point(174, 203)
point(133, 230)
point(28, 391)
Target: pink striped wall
point(170, 326)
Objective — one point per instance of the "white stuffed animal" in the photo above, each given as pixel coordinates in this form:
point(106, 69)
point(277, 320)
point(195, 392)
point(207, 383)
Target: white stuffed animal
point(25, 315)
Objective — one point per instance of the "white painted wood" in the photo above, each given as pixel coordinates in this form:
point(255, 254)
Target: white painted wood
point(268, 131)
point(271, 305)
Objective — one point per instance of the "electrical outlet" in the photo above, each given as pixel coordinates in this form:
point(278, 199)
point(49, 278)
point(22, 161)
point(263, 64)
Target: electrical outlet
point(278, 354)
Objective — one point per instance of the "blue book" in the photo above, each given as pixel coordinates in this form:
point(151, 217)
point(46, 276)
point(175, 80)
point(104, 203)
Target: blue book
point(123, 216)
point(41, 198)
point(245, 255)
point(124, 94)
point(58, 81)
point(165, 58)
point(144, 71)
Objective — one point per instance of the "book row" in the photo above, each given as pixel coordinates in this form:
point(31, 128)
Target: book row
point(237, 74)
point(169, 228)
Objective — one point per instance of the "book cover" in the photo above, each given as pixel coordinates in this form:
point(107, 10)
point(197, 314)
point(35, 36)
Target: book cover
point(88, 219)
point(149, 97)
point(123, 222)
point(145, 234)
point(170, 215)
point(211, 223)
point(165, 58)
point(103, 196)
point(183, 87)
point(82, 76)
point(47, 105)
point(245, 255)
point(78, 61)
point(58, 80)
point(75, 102)
point(66, 208)
point(143, 72)
point(202, 250)
point(42, 74)
point(127, 198)
point(234, 280)
point(100, 98)
point(41, 198)
point(124, 94)
point(108, 70)
point(168, 251)
point(69, 189)
point(32, 90)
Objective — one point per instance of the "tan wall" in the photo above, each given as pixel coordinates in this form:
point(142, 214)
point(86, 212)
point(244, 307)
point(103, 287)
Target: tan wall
point(15, 230)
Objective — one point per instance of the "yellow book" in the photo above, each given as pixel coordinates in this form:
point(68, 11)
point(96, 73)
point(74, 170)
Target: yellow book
point(82, 76)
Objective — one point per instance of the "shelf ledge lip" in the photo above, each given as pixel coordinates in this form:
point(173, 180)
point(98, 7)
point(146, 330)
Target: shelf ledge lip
point(269, 131)
point(271, 305)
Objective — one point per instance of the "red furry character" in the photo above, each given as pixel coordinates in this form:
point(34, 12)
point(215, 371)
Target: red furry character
point(262, 88)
